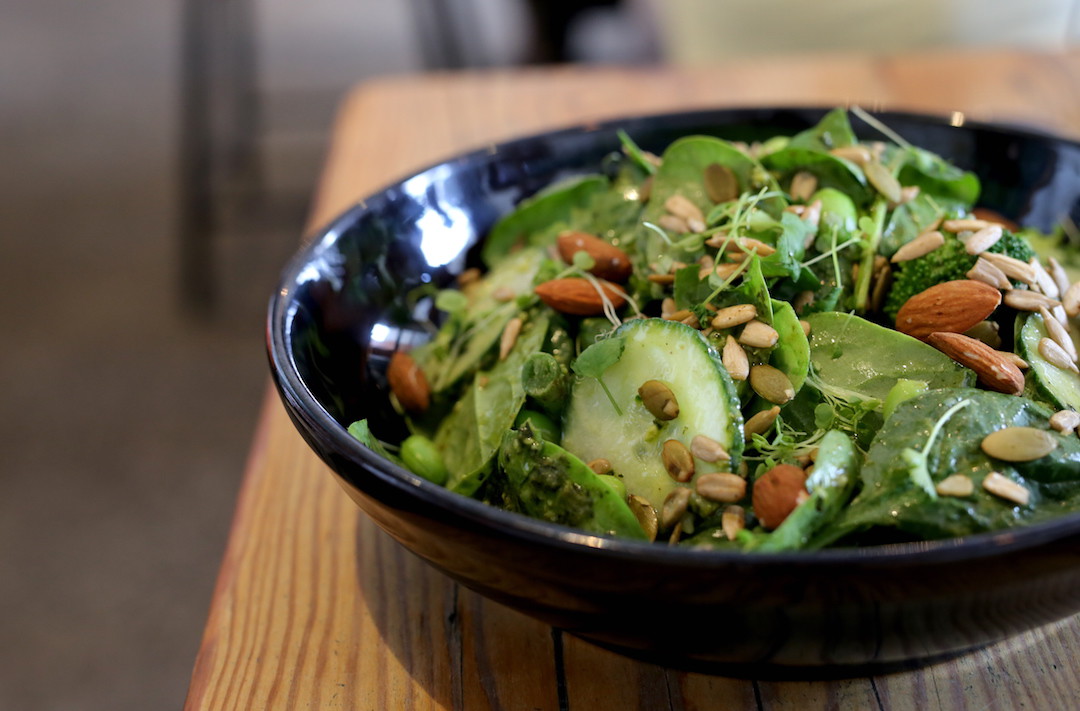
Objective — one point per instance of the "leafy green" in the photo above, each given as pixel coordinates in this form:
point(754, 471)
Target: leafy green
point(830, 171)
point(832, 131)
point(362, 432)
point(597, 358)
point(936, 176)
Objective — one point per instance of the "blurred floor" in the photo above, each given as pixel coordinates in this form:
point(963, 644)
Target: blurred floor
point(125, 423)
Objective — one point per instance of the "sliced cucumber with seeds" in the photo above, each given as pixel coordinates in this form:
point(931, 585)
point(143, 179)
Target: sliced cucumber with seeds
point(675, 355)
point(1061, 388)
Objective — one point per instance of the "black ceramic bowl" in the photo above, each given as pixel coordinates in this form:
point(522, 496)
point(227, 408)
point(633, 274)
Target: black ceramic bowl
point(341, 310)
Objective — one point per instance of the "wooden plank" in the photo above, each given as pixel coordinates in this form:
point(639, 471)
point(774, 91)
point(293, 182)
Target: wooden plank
point(317, 608)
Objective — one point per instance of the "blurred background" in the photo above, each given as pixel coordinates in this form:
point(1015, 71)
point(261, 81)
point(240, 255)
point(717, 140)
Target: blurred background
point(158, 160)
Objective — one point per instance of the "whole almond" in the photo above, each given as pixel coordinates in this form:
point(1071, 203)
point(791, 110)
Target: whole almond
point(577, 296)
point(994, 370)
point(777, 492)
point(408, 382)
point(610, 262)
point(952, 306)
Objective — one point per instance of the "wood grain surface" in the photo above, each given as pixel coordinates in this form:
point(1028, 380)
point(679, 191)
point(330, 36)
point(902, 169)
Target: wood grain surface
point(316, 608)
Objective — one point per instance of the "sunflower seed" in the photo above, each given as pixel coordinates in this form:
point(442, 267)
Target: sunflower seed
point(674, 507)
point(735, 361)
point(1012, 267)
point(749, 244)
point(803, 185)
point(802, 300)
point(959, 485)
point(679, 315)
point(732, 521)
point(708, 449)
point(1014, 359)
point(681, 206)
point(811, 214)
point(965, 224)
point(677, 460)
point(645, 514)
point(667, 307)
point(988, 273)
point(1055, 355)
point(757, 334)
point(771, 384)
point(1028, 300)
point(1019, 444)
point(1059, 333)
point(721, 184)
point(1065, 421)
point(760, 422)
point(1071, 300)
point(509, 337)
point(922, 245)
point(732, 316)
point(983, 239)
point(721, 486)
point(1043, 281)
point(659, 400)
point(908, 193)
point(1006, 488)
point(1058, 274)
point(805, 327)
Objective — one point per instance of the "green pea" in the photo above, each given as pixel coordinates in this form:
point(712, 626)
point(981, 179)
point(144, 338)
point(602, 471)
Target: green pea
point(839, 205)
point(617, 485)
point(422, 458)
point(542, 425)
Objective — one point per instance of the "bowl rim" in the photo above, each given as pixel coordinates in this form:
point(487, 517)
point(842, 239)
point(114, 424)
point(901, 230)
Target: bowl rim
point(319, 423)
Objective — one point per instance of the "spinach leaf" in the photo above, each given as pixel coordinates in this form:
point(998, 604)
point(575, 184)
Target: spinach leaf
point(891, 498)
point(597, 358)
point(832, 131)
point(538, 213)
point(792, 352)
point(939, 178)
point(831, 171)
point(908, 221)
point(362, 432)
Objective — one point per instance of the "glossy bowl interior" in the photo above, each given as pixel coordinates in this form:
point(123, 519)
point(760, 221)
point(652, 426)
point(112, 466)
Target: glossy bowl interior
point(343, 307)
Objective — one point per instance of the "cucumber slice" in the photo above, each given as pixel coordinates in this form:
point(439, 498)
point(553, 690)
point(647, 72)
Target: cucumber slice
point(1061, 388)
point(677, 356)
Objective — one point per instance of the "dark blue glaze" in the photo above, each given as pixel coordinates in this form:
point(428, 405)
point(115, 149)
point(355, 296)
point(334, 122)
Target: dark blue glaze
point(342, 309)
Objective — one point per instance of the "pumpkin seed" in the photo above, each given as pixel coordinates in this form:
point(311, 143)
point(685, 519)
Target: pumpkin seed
point(734, 316)
point(959, 485)
point(721, 184)
point(708, 449)
point(600, 466)
point(681, 206)
point(735, 361)
point(883, 180)
point(678, 461)
point(732, 521)
point(1065, 421)
point(771, 384)
point(724, 487)
point(659, 400)
point(803, 185)
point(1019, 444)
point(645, 514)
point(757, 334)
point(1005, 488)
point(760, 422)
point(674, 507)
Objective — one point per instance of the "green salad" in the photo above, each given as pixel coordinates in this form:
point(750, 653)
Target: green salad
point(808, 342)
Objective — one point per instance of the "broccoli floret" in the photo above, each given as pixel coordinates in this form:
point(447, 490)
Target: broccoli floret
point(946, 263)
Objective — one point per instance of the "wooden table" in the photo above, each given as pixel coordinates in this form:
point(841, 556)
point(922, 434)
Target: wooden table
point(316, 608)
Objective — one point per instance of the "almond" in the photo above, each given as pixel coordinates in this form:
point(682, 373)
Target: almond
point(952, 306)
point(777, 492)
point(578, 296)
point(408, 382)
point(610, 262)
point(994, 370)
